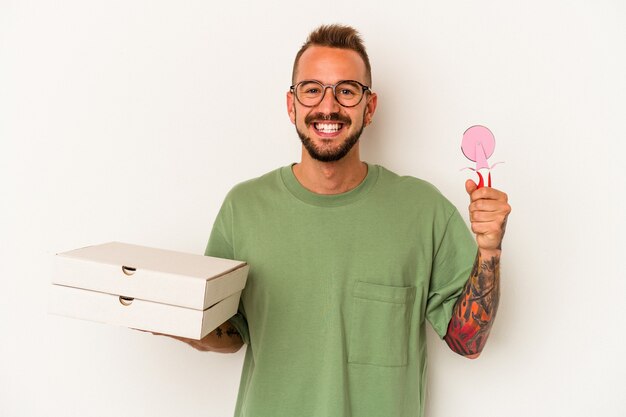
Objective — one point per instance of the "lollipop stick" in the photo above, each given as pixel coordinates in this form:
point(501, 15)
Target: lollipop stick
point(481, 181)
point(489, 179)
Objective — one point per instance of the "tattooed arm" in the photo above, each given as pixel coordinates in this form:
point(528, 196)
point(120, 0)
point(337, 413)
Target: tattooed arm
point(224, 339)
point(476, 308)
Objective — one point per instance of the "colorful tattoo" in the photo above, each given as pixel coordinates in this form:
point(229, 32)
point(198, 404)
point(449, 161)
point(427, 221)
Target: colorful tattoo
point(476, 308)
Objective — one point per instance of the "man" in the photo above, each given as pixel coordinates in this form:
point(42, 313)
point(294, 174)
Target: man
point(348, 260)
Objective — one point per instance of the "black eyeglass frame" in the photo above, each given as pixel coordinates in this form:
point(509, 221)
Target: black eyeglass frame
point(365, 88)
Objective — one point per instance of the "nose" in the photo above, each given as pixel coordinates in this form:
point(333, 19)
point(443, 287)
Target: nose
point(329, 103)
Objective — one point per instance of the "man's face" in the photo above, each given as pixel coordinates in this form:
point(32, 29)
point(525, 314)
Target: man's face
point(330, 131)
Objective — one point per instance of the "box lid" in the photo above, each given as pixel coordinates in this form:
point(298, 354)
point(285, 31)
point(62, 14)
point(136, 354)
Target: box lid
point(166, 276)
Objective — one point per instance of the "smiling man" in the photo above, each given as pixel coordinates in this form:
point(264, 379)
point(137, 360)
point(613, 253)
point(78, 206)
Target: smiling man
point(334, 122)
point(330, 104)
point(349, 260)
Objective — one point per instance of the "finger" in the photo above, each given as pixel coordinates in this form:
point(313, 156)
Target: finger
point(489, 194)
point(488, 213)
point(487, 216)
point(490, 206)
point(470, 186)
point(494, 194)
point(486, 229)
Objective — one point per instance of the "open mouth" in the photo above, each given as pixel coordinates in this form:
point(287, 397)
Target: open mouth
point(328, 128)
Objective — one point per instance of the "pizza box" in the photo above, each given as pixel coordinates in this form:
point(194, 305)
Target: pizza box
point(145, 288)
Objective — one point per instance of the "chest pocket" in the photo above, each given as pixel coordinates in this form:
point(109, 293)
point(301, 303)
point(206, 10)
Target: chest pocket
point(381, 317)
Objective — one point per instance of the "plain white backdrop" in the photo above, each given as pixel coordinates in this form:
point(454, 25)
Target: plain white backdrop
point(130, 120)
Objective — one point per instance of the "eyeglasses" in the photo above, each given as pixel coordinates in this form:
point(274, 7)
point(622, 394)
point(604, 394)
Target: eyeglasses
point(348, 93)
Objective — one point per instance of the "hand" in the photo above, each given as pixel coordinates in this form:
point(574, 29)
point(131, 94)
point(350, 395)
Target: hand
point(488, 212)
point(191, 342)
point(213, 342)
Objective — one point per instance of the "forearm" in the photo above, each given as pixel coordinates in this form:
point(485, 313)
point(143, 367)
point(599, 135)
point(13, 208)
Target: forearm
point(224, 339)
point(476, 308)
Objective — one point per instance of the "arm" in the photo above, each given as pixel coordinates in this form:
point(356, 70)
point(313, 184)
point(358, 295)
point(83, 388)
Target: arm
point(476, 308)
point(477, 305)
point(224, 339)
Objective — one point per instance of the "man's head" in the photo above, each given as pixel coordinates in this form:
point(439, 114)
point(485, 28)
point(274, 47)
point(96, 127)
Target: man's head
point(329, 130)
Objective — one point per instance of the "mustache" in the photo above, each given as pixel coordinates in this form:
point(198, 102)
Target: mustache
point(335, 117)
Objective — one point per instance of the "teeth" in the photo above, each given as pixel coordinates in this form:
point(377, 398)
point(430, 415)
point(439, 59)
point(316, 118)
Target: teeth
point(328, 127)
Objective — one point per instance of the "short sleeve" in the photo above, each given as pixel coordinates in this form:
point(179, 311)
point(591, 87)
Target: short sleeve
point(220, 241)
point(220, 246)
point(240, 323)
point(452, 264)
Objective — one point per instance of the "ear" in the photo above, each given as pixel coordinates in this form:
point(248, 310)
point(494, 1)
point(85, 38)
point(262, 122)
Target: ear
point(370, 108)
point(291, 107)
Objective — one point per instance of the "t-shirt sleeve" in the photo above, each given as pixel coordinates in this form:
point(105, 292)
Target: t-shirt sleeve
point(452, 264)
point(220, 246)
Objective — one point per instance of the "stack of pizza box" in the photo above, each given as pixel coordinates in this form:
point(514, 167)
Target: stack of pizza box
point(149, 289)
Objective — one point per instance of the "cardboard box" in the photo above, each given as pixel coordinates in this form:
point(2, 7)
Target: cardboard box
point(145, 288)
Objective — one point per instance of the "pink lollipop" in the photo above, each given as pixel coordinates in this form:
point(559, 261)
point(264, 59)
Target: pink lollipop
point(478, 145)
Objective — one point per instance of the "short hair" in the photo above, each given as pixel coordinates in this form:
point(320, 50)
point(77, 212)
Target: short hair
point(335, 36)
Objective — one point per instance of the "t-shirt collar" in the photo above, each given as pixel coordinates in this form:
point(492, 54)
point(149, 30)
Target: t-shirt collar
point(329, 200)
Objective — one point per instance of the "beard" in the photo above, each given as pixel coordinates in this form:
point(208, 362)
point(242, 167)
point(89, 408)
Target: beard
point(329, 154)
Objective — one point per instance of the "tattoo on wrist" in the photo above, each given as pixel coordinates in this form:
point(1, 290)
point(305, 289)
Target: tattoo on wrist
point(503, 228)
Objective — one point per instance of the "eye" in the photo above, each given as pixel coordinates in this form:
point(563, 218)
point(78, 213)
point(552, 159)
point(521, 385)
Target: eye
point(346, 92)
point(309, 89)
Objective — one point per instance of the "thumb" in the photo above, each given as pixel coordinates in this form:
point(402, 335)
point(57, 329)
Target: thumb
point(470, 186)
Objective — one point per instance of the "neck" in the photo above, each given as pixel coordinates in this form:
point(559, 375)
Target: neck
point(330, 177)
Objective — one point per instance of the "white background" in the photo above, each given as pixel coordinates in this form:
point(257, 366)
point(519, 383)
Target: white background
point(130, 120)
